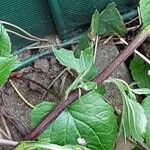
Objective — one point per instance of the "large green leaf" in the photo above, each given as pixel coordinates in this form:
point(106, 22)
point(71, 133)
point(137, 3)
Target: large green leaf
point(28, 145)
point(139, 70)
point(145, 12)
point(133, 121)
point(109, 22)
point(146, 106)
point(89, 118)
point(6, 66)
point(5, 44)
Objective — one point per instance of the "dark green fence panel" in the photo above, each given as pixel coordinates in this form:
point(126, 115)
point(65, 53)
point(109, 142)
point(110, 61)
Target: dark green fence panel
point(32, 15)
point(71, 16)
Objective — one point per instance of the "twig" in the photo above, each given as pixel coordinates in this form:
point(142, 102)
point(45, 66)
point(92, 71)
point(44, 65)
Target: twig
point(99, 79)
point(23, 129)
point(38, 84)
point(5, 134)
point(60, 74)
point(96, 45)
point(6, 127)
point(20, 35)
point(8, 142)
point(141, 144)
point(22, 30)
point(138, 53)
point(20, 95)
point(134, 19)
point(108, 39)
point(133, 28)
point(142, 56)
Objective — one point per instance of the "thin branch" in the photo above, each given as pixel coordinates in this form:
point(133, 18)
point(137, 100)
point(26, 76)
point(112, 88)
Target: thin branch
point(99, 79)
point(22, 30)
point(95, 50)
point(21, 36)
point(59, 75)
point(8, 142)
point(38, 84)
point(20, 126)
point(20, 95)
point(6, 127)
point(134, 19)
point(142, 56)
point(141, 144)
point(137, 52)
point(108, 39)
point(5, 134)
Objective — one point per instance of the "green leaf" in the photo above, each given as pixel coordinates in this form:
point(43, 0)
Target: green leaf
point(89, 118)
point(82, 65)
point(6, 66)
point(109, 22)
point(83, 44)
point(5, 44)
point(145, 12)
point(28, 145)
point(146, 106)
point(133, 121)
point(92, 73)
point(139, 71)
point(95, 22)
point(141, 91)
point(66, 58)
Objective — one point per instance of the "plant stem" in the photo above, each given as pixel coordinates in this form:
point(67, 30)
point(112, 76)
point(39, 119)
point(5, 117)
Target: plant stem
point(137, 52)
point(96, 45)
point(23, 31)
point(99, 79)
point(21, 36)
point(121, 57)
point(8, 142)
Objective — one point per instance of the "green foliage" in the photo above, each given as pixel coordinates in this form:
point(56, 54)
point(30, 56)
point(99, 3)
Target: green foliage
point(83, 44)
point(108, 22)
point(5, 44)
point(145, 13)
point(139, 71)
point(7, 62)
point(66, 58)
point(6, 66)
point(89, 118)
point(146, 106)
point(100, 89)
point(134, 121)
point(27, 145)
point(83, 65)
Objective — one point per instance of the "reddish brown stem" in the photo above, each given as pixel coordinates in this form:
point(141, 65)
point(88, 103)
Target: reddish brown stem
point(99, 79)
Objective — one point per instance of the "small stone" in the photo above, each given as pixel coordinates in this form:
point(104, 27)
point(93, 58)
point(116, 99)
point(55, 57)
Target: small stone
point(42, 64)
